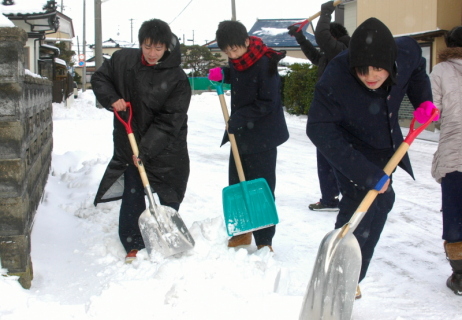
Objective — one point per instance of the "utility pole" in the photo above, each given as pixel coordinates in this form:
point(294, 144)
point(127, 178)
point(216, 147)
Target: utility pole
point(192, 38)
point(98, 36)
point(233, 10)
point(131, 30)
point(84, 72)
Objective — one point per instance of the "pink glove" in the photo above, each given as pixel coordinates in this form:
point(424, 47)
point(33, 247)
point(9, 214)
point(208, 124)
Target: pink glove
point(215, 74)
point(424, 112)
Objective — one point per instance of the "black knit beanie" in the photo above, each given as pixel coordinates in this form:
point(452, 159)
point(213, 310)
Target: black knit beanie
point(372, 44)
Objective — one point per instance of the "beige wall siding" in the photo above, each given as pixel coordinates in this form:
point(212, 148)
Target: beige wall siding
point(401, 16)
point(449, 14)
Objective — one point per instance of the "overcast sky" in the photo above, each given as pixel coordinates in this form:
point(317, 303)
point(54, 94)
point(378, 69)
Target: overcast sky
point(187, 18)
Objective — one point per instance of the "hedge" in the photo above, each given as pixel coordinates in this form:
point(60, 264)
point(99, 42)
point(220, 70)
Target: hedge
point(298, 89)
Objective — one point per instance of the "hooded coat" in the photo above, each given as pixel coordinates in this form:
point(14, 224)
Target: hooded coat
point(356, 128)
point(446, 81)
point(160, 97)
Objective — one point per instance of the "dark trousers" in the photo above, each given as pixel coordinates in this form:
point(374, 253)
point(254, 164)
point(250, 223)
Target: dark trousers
point(133, 205)
point(257, 165)
point(327, 182)
point(451, 190)
point(370, 228)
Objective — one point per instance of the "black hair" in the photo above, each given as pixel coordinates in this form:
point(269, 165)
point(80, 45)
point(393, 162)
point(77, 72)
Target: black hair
point(231, 34)
point(454, 37)
point(337, 30)
point(156, 31)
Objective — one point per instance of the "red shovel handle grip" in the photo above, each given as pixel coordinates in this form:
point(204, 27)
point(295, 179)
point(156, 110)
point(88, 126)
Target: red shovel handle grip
point(128, 124)
point(413, 133)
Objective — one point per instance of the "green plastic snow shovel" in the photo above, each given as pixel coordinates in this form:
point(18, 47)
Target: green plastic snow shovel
point(161, 227)
point(247, 205)
point(331, 290)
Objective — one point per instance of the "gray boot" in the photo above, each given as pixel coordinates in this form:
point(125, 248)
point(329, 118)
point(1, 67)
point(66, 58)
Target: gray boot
point(454, 255)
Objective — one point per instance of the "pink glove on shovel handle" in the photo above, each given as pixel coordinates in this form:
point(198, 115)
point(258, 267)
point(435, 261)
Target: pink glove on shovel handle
point(215, 74)
point(424, 112)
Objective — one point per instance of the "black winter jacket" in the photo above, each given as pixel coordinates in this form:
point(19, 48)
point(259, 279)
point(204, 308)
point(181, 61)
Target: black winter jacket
point(357, 129)
point(328, 45)
point(160, 96)
point(257, 118)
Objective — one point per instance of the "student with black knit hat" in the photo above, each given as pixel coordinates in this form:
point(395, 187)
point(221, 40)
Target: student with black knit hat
point(353, 121)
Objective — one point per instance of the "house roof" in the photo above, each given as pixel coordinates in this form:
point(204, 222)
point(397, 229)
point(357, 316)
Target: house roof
point(24, 7)
point(274, 33)
point(111, 43)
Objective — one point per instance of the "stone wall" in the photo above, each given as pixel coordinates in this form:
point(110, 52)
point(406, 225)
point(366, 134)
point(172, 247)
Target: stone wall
point(25, 152)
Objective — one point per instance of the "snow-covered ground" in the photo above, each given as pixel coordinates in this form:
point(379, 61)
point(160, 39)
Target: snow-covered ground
point(79, 270)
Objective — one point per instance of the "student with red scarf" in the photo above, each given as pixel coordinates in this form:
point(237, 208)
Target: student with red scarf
point(257, 118)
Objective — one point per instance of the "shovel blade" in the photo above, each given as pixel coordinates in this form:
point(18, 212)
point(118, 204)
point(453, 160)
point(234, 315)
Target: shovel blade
point(164, 231)
point(331, 291)
point(248, 206)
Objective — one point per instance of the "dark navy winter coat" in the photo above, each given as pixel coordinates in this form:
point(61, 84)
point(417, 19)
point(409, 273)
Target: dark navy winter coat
point(257, 118)
point(357, 129)
point(160, 97)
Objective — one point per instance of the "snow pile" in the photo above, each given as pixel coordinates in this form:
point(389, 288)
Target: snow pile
point(79, 270)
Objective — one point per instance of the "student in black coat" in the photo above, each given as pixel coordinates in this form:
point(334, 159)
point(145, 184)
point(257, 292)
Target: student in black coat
point(151, 79)
point(332, 38)
point(353, 121)
point(257, 118)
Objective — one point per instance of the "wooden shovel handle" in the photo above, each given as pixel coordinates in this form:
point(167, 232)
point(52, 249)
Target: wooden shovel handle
point(314, 16)
point(232, 140)
point(391, 165)
point(144, 176)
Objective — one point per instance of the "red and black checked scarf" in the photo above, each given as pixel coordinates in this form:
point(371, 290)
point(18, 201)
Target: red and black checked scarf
point(255, 51)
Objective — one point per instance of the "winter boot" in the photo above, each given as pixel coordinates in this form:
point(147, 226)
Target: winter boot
point(240, 240)
point(454, 255)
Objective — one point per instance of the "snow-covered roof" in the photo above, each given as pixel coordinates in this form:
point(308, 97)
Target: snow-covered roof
point(274, 33)
point(112, 43)
point(60, 61)
point(24, 7)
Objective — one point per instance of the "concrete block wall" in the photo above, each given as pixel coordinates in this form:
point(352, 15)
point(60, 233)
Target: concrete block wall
point(25, 152)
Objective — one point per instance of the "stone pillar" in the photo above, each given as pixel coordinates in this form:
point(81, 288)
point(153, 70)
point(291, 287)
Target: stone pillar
point(25, 152)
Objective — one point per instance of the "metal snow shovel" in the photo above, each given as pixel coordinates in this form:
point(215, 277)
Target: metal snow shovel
point(331, 290)
point(314, 16)
point(247, 205)
point(161, 227)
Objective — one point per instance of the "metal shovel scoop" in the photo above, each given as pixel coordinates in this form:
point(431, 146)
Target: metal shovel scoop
point(161, 227)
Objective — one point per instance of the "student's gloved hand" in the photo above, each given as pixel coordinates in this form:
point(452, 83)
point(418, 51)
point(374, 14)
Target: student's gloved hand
point(298, 35)
point(383, 184)
point(424, 112)
point(327, 7)
point(215, 74)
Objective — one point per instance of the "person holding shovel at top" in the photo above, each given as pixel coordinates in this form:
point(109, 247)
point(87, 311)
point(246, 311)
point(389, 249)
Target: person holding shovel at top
point(332, 38)
point(353, 121)
point(257, 118)
point(151, 79)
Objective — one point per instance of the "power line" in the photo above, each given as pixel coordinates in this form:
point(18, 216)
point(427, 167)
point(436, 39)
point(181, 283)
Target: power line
point(181, 12)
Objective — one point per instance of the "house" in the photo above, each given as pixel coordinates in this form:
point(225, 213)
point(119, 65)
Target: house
point(90, 69)
point(108, 48)
point(45, 26)
point(274, 34)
